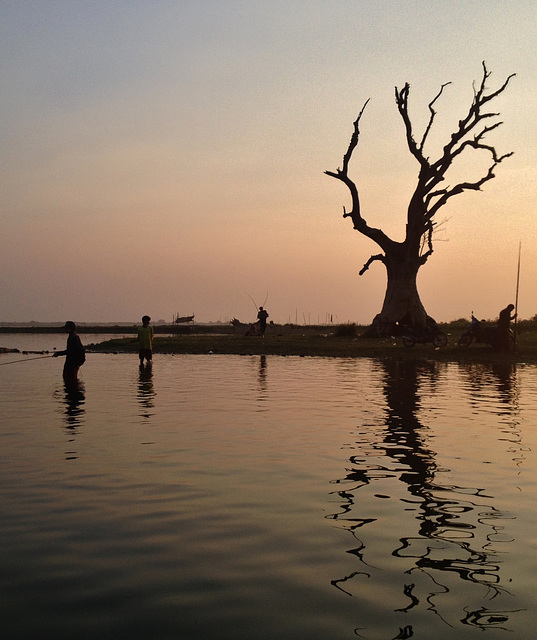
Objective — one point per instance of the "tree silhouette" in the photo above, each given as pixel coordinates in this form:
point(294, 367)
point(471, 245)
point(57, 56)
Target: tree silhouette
point(403, 260)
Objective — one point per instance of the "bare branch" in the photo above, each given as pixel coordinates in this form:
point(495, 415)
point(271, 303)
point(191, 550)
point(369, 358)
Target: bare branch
point(401, 98)
point(427, 241)
point(372, 259)
point(470, 134)
point(433, 174)
point(438, 198)
point(354, 140)
point(433, 114)
point(377, 235)
point(474, 117)
point(486, 74)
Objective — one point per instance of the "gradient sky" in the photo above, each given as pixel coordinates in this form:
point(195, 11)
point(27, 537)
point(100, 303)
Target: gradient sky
point(167, 156)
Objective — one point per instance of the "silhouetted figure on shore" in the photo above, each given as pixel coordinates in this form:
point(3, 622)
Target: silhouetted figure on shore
point(145, 339)
point(75, 354)
point(504, 335)
point(262, 319)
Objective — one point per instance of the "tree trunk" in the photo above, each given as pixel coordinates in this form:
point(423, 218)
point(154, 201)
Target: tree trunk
point(402, 304)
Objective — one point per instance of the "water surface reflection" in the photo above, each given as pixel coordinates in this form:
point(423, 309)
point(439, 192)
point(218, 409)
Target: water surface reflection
point(220, 527)
point(436, 531)
point(74, 399)
point(146, 392)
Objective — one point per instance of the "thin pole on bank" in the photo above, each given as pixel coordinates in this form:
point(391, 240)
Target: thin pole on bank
point(517, 285)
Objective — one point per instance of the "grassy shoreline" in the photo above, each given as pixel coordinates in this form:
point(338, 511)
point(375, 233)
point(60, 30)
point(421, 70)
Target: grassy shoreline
point(326, 345)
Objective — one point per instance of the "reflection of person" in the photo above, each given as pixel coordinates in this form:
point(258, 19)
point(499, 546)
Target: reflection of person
point(145, 339)
point(262, 318)
point(74, 403)
point(75, 354)
point(146, 392)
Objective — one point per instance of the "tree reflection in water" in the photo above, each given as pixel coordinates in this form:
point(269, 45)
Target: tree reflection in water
point(455, 524)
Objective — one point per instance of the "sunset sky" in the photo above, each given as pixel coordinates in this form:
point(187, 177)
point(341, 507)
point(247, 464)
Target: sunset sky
point(168, 156)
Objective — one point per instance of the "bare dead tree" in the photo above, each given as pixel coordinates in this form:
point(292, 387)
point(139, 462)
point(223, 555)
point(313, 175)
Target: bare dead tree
point(403, 260)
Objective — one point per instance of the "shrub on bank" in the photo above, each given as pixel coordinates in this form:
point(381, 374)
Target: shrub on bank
point(348, 330)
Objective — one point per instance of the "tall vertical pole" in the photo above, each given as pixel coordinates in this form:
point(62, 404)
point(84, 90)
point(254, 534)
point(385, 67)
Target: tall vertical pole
point(517, 285)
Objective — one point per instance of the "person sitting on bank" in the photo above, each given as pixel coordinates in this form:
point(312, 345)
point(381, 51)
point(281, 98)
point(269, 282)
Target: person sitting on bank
point(145, 339)
point(504, 330)
point(75, 354)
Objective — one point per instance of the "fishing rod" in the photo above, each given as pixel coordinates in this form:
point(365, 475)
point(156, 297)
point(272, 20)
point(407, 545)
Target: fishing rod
point(255, 303)
point(517, 284)
point(25, 360)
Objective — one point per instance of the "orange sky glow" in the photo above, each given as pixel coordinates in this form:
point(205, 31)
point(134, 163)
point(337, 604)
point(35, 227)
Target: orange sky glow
point(168, 157)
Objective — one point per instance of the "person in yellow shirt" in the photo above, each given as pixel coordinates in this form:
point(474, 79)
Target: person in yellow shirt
point(145, 339)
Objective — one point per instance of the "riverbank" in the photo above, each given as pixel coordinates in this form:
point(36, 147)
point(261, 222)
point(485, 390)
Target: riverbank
point(326, 345)
point(344, 341)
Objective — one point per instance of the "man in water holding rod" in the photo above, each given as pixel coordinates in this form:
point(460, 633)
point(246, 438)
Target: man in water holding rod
point(75, 354)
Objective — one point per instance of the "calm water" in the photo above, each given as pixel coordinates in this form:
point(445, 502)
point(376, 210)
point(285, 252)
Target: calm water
point(230, 497)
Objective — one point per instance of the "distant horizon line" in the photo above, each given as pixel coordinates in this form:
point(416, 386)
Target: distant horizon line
point(160, 322)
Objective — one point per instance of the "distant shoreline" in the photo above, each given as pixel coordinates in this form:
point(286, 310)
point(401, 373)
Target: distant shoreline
point(172, 329)
point(97, 328)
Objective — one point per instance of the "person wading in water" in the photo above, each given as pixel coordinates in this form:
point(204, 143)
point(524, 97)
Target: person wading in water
point(145, 338)
point(75, 354)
